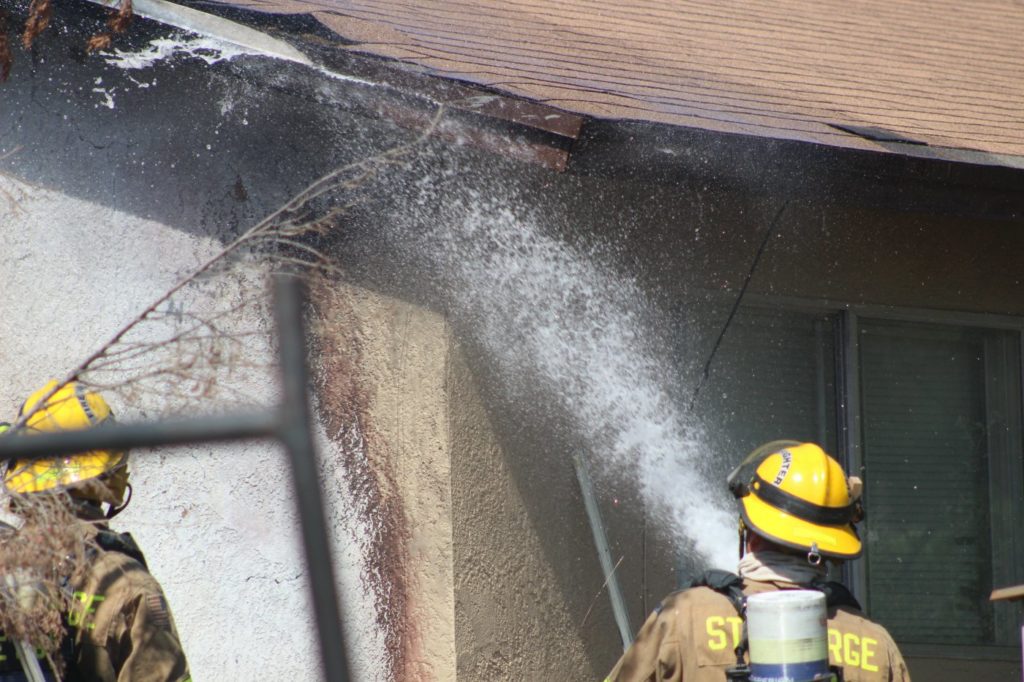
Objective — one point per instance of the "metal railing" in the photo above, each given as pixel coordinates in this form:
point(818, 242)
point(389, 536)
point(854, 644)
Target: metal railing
point(604, 553)
point(289, 424)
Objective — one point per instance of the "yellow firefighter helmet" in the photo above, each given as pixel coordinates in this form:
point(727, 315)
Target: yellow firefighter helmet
point(799, 497)
point(99, 475)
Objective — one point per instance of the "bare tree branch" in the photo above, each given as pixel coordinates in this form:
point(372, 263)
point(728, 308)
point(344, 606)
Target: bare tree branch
point(284, 229)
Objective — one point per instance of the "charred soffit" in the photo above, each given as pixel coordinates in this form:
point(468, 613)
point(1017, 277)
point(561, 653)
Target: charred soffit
point(896, 179)
point(906, 176)
point(903, 175)
point(375, 88)
point(408, 96)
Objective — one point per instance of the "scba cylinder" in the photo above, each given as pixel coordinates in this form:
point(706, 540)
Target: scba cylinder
point(788, 636)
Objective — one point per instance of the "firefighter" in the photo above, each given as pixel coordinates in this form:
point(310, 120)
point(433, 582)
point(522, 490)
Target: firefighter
point(798, 511)
point(119, 627)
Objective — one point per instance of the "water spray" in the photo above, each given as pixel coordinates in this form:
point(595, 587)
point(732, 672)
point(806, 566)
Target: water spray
point(554, 319)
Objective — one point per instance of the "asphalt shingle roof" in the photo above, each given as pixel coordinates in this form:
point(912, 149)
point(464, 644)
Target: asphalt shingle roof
point(941, 73)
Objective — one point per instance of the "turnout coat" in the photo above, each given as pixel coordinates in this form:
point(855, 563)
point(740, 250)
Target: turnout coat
point(692, 636)
point(119, 627)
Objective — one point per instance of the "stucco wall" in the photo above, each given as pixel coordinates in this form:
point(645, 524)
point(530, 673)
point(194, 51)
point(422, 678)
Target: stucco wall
point(381, 365)
point(117, 179)
point(216, 522)
point(481, 564)
point(515, 619)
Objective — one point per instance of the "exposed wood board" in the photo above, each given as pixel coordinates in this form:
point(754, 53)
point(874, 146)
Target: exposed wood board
point(519, 147)
point(942, 73)
point(1014, 593)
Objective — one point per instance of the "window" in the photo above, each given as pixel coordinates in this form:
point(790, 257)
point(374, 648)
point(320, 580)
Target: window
point(940, 429)
point(929, 413)
point(773, 377)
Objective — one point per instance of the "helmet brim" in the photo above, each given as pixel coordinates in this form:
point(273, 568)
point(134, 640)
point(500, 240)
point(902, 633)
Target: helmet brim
point(838, 542)
point(51, 474)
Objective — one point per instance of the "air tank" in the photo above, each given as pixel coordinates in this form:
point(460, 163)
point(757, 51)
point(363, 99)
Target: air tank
point(788, 636)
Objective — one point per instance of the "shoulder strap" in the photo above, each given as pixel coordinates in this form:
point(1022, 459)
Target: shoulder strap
point(836, 594)
point(120, 542)
point(729, 585)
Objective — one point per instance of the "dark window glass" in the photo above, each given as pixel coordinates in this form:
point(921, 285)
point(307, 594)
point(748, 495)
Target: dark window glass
point(772, 378)
point(930, 395)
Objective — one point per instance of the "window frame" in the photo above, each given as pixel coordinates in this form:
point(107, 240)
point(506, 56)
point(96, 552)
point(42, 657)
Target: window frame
point(850, 428)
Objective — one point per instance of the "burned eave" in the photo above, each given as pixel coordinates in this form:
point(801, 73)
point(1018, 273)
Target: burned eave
point(800, 170)
point(477, 117)
point(856, 163)
point(895, 173)
point(862, 165)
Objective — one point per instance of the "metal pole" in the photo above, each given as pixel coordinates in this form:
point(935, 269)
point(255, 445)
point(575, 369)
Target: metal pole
point(603, 552)
point(29, 663)
point(296, 435)
point(127, 436)
point(290, 424)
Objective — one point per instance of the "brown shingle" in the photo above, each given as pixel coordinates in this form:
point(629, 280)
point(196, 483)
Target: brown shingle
point(946, 74)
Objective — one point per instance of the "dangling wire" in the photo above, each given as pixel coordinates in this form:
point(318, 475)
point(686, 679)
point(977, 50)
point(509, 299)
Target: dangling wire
point(736, 304)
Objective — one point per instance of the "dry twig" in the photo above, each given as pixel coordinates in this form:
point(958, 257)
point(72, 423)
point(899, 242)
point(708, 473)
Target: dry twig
point(117, 23)
point(6, 58)
point(603, 585)
point(187, 360)
point(44, 550)
point(39, 14)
